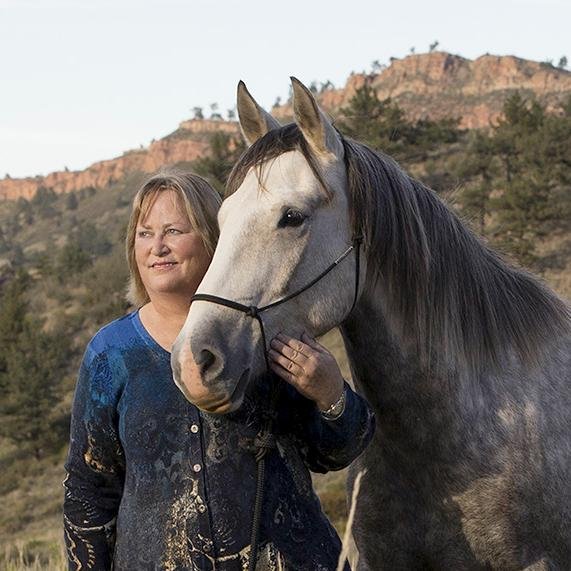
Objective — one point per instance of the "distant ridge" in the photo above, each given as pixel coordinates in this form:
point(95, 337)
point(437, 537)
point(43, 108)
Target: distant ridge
point(438, 85)
point(432, 86)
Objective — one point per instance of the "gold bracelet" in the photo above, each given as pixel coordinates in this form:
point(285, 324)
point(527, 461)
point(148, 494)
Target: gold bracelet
point(337, 408)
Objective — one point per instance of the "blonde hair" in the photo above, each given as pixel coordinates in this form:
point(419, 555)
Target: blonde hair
point(201, 204)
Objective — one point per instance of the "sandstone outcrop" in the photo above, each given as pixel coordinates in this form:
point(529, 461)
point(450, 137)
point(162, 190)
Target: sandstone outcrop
point(187, 143)
point(439, 84)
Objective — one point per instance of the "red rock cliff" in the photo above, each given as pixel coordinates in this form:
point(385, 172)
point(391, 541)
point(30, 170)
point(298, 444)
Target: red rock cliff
point(439, 84)
point(187, 143)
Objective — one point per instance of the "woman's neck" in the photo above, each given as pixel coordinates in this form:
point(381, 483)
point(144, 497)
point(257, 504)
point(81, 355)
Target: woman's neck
point(163, 317)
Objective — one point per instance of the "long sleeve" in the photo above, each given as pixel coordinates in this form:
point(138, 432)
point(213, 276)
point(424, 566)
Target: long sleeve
point(332, 444)
point(95, 467)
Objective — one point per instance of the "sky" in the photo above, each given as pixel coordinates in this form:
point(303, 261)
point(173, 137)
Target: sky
point(86, 80)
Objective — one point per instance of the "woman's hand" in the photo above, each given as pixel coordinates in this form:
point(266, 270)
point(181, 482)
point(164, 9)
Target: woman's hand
point(309, 367)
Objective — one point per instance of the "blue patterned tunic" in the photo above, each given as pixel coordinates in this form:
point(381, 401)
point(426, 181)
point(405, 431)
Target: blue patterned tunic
point(154, 483)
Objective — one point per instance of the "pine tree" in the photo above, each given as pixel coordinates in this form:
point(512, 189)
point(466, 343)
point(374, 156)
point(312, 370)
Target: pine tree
point(71, 202)
point(13, 309)
point(43, 202)
point(224, 152)
point(478, 169)
point(534, 200)
point(380, 124)
point(31, 364)
point(34, 367)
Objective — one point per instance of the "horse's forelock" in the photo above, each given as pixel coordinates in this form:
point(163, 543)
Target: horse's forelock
point(273, 144)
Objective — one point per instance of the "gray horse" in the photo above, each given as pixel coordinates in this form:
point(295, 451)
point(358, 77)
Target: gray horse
point(465, 360)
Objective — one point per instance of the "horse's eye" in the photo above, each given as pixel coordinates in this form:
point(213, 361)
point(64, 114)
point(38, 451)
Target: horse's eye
point(291, 217)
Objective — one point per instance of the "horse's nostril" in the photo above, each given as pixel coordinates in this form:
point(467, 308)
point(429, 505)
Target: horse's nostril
point(206, 360)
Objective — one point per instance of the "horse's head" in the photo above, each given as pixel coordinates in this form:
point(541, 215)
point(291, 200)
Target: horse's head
point(286, 219)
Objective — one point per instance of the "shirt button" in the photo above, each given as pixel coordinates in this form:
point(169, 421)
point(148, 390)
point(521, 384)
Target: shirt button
point(197, 467)
point(201, 508)
point(194, 428)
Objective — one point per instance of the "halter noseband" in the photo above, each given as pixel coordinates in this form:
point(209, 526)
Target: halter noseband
point(254, 312)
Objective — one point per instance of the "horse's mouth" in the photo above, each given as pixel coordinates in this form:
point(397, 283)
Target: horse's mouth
point(240, 388)
point(230, 403)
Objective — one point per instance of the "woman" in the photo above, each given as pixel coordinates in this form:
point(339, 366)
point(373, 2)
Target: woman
point(154, 483)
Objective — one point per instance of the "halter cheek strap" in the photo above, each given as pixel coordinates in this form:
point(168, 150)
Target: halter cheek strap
point(254, 312)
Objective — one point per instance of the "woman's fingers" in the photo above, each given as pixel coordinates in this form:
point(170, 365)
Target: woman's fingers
point(308, 366)
point(295, 344)
point(292, 348)
point(288, 364)
point(283, 373)
point(289, 359)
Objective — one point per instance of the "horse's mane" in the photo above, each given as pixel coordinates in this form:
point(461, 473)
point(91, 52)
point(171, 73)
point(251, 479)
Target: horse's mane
point(449, 295)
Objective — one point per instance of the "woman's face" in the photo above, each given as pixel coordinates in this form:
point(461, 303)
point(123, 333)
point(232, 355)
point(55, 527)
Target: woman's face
point(169, 252)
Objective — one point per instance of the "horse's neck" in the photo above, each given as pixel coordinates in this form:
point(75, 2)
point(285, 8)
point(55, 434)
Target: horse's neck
point(390, 375)
point(414, 409)
point(378, 363)
point(404, 394)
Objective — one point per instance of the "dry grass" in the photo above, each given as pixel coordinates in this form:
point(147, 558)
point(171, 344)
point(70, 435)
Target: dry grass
point(348, 545)
point(33, 556)
point(30, 511)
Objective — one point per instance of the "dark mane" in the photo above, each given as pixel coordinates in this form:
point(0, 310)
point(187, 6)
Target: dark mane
point(449, 295)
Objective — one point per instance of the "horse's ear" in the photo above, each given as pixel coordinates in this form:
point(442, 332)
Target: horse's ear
point(316, 127)
point(254, 121)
